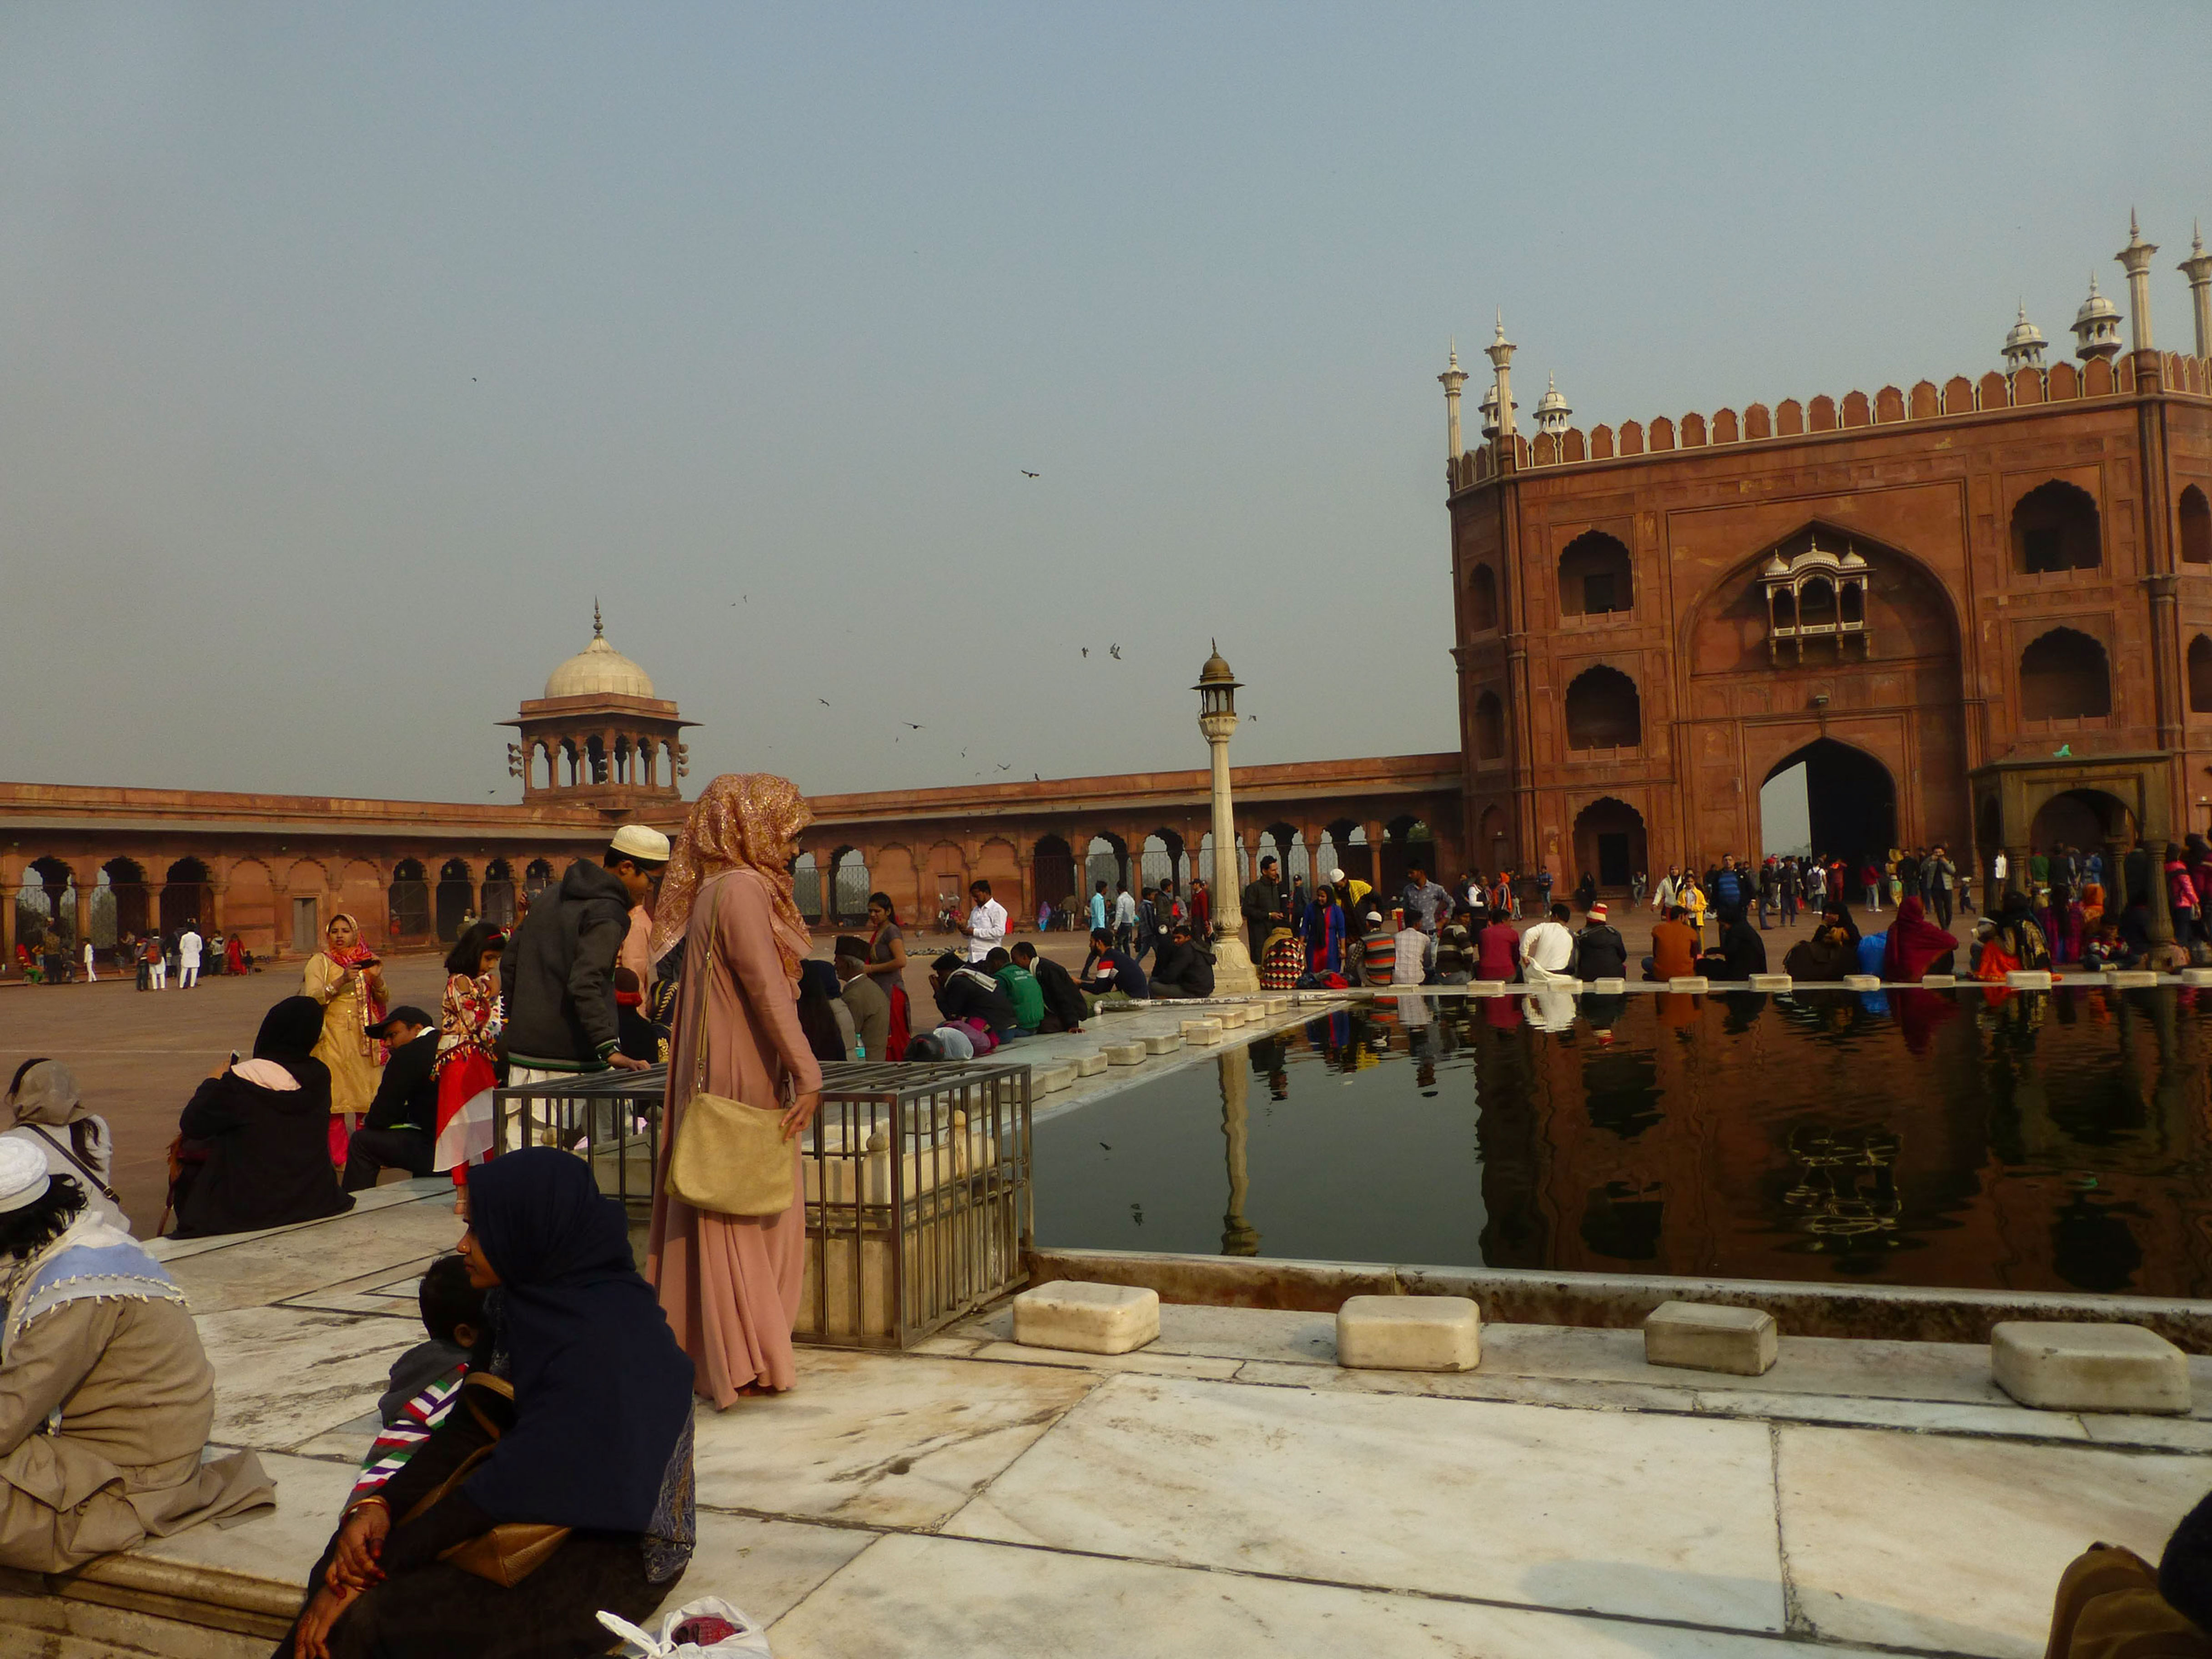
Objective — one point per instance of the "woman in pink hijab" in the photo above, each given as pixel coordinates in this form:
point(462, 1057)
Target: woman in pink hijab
point(730, 1284)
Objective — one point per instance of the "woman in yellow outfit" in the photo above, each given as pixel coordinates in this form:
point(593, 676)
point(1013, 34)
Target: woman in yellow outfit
point(346, 979)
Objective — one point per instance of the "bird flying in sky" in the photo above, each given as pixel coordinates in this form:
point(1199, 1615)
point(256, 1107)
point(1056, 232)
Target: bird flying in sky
point(1115, 652)
point(1026, 473)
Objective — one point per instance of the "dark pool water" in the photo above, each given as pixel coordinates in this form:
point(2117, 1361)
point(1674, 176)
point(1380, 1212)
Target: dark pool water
point(2030, 1140)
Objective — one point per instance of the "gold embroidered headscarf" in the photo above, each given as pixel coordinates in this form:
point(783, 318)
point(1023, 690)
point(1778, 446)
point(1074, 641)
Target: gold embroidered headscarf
point(741, 820)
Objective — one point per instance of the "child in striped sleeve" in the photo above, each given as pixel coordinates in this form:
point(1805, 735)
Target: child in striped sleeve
point(427, 1379)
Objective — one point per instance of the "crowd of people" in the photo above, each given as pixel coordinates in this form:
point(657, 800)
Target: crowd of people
point(48, 957)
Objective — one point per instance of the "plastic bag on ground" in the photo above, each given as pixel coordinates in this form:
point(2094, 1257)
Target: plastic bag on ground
point(745, 1641)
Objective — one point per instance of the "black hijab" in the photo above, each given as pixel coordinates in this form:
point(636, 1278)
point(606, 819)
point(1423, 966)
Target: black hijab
point(602, 1393)
point(288, 1035)
point(289, 1030)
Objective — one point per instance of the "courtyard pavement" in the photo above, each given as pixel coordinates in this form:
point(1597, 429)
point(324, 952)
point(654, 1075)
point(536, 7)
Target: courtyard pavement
point(1227, 1491)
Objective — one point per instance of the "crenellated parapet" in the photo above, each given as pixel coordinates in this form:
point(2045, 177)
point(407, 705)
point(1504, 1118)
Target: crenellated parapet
point(2025, 387)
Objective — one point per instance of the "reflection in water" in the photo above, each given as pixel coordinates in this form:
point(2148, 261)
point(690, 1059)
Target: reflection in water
point(1975, 1138)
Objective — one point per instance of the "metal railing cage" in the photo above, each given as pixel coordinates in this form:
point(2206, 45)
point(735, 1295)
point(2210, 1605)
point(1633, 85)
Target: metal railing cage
point(917, 1183)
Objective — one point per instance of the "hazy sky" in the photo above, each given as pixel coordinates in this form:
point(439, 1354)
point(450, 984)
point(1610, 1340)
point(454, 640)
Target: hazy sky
point(346, 353)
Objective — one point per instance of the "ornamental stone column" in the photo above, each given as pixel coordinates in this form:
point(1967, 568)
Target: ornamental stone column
point(1233, 972)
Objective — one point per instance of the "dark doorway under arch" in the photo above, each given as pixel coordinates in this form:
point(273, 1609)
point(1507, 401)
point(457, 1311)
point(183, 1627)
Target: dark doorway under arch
point(1608, 841)
point(1850, 797)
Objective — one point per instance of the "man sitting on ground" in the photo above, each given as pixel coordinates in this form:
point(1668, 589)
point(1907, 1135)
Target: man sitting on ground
point(967, 991)
point(869, 1004)
point(1548, 950)
point(1599, 951)
point(1022, 990)
point(1674, 948)
point(1065, 1010)
point(1181, 968)
point(1414, 952)
point(106, 1394)
point(1110, 969)
point(399, 1130)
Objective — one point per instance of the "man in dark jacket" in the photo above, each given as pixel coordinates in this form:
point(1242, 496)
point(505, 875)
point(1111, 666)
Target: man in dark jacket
point(401, 1127)
point(1108, 969)
point(965, 990)
point(1599, 951)
point(557, 972)
point(1263, 906)
point(1181, 969)
point(1065, 1010)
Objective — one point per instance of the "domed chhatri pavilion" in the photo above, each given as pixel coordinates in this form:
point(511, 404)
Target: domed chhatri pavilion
point(599, 736)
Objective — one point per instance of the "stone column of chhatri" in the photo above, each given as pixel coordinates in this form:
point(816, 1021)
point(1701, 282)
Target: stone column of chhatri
point(1233, 973)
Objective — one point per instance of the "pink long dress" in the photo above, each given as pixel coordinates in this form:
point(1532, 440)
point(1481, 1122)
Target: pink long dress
point(730, 1284)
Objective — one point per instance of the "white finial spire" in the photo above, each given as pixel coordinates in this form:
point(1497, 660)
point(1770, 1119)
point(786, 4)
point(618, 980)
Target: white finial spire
point(2135, 258)
point(2197, 267)
point(1453, 378)
point(1500, 353)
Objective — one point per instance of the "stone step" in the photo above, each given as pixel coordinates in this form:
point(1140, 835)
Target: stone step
point(1201, 1030)
point(1086, 1318)
point(1164, 1043)
point(1409, 1333)
point(2062, 1365)
point(1124, 1054)
point(1090, 1065)
point(1704, 1337)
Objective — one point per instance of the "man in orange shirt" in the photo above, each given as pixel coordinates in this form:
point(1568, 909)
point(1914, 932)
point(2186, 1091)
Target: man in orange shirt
point(1674, 948)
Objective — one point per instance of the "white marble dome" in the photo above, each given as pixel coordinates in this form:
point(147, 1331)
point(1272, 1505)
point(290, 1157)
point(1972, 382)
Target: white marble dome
point(599, 670)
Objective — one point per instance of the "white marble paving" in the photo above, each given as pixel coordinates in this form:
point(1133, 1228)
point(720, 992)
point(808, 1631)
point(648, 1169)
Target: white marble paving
point(1146, 1360)
point(281, 1545)
point(287, 1375)
point(1956, 1545)
point(926, 1598)
point(766, 1567)
point(886, 1439)
point(311, 1258)
point(1496, 1501)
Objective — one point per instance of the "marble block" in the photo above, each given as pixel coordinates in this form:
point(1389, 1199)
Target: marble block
point(1051, 1079)
point(1689, 982)
point(1232, 1015)
point(1201, 1030)
point(1409, 1334)
point(2196, 976)
point(2029, 979)
point(2131, 978)
point(1769, 981)
point(1164, 1044)
point(1485, 988)
point(1279, 1005)
point(1939, 980)
point(1609, 987)
point(1862, 982)
point(2060, 1365)
point(1090, 1065)
point(1086, 1318)
point(1123, 1054)
point(1702, 1336)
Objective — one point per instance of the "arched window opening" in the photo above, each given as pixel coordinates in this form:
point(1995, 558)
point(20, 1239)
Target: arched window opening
point(1482, 599)
point(1596, 576)
point(1489, 727)
point(2064, 676)
point(848, 890)
point(2196, 527)
point(2055, 527)
point(2200, 676)
point(1816, 604)
point(1603, 711)
point(408, 902)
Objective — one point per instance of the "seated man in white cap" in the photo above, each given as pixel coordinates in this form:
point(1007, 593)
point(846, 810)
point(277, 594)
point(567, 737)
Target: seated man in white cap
point(105, 1396)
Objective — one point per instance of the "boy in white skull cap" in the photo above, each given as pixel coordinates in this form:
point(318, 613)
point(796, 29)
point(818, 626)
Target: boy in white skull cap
point(106, 1394)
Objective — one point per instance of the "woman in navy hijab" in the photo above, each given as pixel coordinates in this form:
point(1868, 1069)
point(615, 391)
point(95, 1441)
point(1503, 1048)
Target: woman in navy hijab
point(562, 1483)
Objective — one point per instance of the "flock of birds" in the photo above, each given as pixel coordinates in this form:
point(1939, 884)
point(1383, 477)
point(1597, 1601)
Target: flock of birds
point(1112, 650)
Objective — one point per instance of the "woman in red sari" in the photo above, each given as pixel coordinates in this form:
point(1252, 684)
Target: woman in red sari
point(1917, 945)
point(468, 1061)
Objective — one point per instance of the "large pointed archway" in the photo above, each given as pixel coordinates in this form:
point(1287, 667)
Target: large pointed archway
point(1851, 800)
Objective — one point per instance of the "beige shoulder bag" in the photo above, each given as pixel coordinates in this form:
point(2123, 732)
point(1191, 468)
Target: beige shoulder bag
point(730, 1158)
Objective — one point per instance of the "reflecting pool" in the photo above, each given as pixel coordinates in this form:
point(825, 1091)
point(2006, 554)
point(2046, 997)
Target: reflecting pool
point(1984, 1138)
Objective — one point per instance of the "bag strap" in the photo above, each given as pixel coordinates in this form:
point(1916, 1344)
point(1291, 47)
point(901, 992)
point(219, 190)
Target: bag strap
point(105, 1191)
point(697, 994)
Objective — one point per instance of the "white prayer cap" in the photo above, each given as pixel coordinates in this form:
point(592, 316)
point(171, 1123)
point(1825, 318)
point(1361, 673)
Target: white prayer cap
point(640, 841)
point(23, 1177)
point(1336, 875)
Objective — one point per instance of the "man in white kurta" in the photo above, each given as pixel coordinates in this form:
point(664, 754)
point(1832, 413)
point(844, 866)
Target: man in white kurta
point(188, 958)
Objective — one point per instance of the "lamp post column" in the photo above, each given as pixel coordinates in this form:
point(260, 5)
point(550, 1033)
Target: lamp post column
point(1233, 972)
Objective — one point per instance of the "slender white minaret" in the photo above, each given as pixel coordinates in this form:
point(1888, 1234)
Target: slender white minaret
point(2135, 258)
point(2024, 345)
point(1500, 353)
point(2096, 325)
point(1454, 378)
point(2197, 267)
point(1552, 411)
